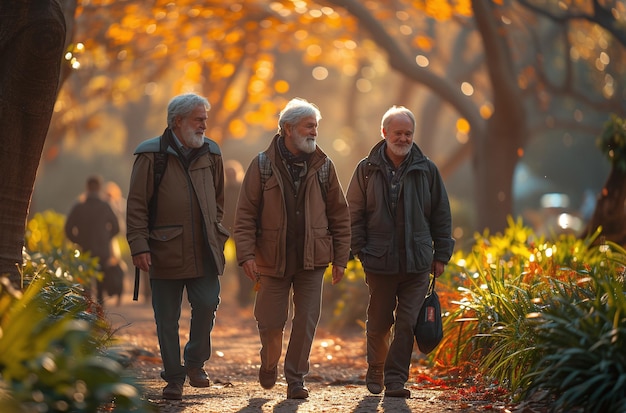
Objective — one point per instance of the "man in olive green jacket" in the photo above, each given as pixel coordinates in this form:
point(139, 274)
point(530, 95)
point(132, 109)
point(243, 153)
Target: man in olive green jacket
point(292, 221)
point(176, 235)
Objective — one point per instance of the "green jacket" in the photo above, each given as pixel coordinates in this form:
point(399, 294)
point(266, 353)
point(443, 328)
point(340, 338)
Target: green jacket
point(427, 217)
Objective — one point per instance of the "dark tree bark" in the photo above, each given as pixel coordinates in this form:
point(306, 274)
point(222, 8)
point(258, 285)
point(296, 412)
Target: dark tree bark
point(32, 36)
point(496, 156)
point(610, 212)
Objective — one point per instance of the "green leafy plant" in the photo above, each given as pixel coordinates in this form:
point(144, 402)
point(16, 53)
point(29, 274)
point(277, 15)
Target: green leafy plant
point(506, 284)
point(582, 335)
point(53, 358)
point(54, 353)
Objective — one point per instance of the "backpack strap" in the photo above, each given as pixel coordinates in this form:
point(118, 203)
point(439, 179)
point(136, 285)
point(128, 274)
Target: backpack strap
point(158, 146)
point(265, 169)
point(160, 165)
point(323, 176)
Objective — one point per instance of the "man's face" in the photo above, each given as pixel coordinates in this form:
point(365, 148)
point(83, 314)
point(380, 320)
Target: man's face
point(190, 129)
point(399, 135)
point(302, 137)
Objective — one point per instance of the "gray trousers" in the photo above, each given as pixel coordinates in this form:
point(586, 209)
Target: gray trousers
point(395, 300)
point(271, 310)
point(167, 295)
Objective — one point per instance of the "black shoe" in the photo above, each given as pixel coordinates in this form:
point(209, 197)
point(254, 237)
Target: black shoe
point(267, 378)
point(198, 377)
point(398, 392)
point(374, 379)
point(297, 391)
point(173, 391)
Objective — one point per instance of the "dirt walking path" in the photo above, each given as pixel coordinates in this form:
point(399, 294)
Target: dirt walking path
point(336, 380)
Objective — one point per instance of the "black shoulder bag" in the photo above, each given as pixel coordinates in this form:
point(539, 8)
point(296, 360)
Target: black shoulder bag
point(429, 328)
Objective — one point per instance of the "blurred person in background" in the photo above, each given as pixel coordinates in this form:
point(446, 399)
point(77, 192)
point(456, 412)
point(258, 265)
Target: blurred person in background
point(92, 224)
point(401, 233)
point(117, 268)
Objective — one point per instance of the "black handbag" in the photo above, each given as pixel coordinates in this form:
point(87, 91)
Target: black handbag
point(429, 327)
point(113, 280)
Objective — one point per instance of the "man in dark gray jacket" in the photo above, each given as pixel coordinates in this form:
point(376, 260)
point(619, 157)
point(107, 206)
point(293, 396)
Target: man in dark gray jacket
point(401, 233)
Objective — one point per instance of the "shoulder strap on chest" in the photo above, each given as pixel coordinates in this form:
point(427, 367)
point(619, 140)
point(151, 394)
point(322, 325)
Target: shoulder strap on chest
point(323, 176)
point(265, 169)
point(160, 164)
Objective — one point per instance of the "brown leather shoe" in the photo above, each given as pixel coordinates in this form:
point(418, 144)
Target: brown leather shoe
point(267, 378)
point(173, 391)
point(398, 392)
point(374, 379)
point(297, 391)
point(198, 377)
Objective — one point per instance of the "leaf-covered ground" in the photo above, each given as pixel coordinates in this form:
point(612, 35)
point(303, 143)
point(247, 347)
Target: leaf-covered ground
point(336, 379)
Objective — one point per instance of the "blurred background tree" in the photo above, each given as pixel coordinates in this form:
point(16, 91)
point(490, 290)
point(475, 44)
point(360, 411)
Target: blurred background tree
point(509, 95)
point(610, 214)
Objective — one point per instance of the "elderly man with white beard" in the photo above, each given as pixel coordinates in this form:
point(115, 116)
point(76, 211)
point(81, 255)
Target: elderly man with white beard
point(292, 221)
point(175, 233)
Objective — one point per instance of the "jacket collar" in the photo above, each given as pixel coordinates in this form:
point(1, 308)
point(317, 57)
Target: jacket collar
point(375, 158)
point(316, 159)
point(175, 146)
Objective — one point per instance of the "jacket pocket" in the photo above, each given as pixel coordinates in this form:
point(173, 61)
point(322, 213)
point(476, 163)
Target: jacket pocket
point(267, 248)
point(166, 247)
point(322, 247)
point(374, 255)
point(422, 250)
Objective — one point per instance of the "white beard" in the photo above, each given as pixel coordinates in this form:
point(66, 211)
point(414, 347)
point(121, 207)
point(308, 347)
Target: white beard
point(192, 139)
point(304, 143)
point(399, 150)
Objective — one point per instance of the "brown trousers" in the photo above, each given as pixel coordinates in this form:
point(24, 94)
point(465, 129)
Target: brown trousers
point(271, 310)
point(395, 300)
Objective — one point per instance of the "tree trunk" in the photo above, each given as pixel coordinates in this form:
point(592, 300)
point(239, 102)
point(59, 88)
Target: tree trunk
point(31, 48)
point(494, 167)
point(610, 212)
point(496, 156)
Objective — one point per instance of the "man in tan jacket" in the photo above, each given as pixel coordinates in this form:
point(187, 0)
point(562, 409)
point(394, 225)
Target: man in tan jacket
point(175, 233)
point(292, 221)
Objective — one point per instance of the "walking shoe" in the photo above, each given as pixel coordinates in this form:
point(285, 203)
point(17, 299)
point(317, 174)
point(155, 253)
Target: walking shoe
point(198, 377)
point(267, 378)
point(173, 391)
point(374, 379)
point(397, 390)
point(297, 391)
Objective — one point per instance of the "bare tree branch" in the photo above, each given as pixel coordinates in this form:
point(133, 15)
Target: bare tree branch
point(602, 16)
